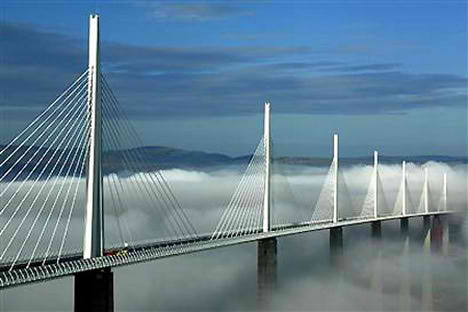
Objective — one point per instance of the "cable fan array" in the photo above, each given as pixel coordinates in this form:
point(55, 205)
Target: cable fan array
point(244, 212)
point(286, 209)
point(42, 188)
point(323, 209)
point(41, 182)
point(136, 193)
point(42, 179)
point(405, 198)
point(369, 202)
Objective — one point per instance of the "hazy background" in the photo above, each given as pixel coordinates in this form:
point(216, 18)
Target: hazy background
point(225, 279)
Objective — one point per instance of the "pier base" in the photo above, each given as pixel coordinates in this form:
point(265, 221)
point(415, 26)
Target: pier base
point(437, 234)
point(266, 269)
point(94, 291)
point(423, 288)
point(404, 226)
point(458, 245)
point(426, 227)
point(376, 282)
point(376, 230)
point(336, 246)
point(455, 231)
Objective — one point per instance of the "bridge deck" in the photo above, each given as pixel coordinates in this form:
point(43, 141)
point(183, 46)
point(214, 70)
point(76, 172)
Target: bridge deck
point(73, 264)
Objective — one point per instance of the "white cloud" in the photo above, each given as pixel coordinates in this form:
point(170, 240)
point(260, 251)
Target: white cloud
point(224, 279)
point(195, 12)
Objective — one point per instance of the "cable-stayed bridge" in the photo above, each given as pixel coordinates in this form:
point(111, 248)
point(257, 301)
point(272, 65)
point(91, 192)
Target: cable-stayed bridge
point(78, 162)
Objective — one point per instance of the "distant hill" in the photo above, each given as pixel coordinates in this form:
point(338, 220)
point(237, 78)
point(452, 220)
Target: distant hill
point(167, 157)
point(163, 157)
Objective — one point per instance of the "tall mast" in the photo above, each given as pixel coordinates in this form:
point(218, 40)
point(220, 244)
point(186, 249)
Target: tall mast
point(267, 144)
point(403, 185)
point(376, 182)
point(335, 178)
point(426, 190)
point(445, 192)
point(94, 224)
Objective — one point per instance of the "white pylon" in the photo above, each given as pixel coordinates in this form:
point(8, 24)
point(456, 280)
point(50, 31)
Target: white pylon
point(335, 178)
point(267, 144)
point(426, 190)
point(403, 186)
point(93, 245)
point(445, 192)
point(376, 183)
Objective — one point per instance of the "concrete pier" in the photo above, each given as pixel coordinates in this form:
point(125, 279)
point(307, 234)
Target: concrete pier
point(94, 291)
point(437, 245)
point(376, 230)
point(426, 227)
point(404, 226)
point(421, 238)
point(437, 234)
point(455, 230)
point(405, 281)
point(458, 245)
point(336, 246)
point(424, 285)
point(266, 269)
point(376, 279)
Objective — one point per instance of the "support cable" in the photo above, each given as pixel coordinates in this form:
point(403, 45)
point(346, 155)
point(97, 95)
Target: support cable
point(64, 109)
point(40, 116)
point(237, 218)
point(66, 199)
point(256, 218)
point(82, 138)
point(250, 199)
point(78, 130)
point(114, 131)
point(321, 212)
point(163, 189)
point(228, 211)
point(52, 133)
point(72, 204)
point(146, 178)
point(244, 203)
point(32, 187)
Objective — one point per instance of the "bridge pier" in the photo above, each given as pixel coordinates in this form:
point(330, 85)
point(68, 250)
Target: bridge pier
point(404, 226)
point(423, 287)
point(376, 230)
point(336, 246)
point(421, 240)
point(455, 230)
point(376, 283)
point(458, 245)
point(437, 234)
point(405, 283)
point(437, 247)
point(426, 226)
point(266, 269)
point(94, 291)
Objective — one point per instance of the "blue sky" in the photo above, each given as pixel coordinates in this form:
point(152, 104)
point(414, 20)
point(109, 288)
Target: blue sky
point(390, 75)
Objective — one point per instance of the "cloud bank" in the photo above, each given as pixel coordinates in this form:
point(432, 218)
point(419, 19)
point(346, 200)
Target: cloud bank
point(224, 279)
